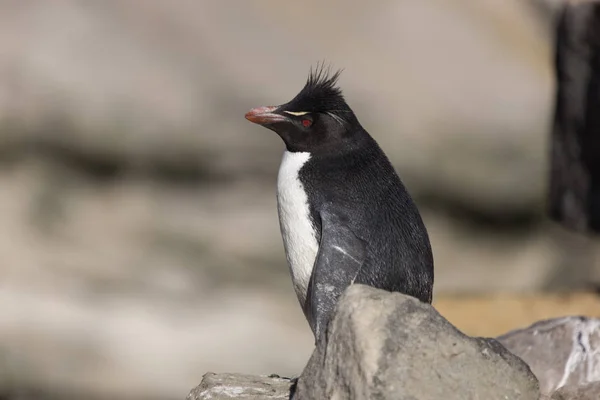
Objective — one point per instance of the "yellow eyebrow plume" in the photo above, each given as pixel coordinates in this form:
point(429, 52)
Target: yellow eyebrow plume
point(296, 113)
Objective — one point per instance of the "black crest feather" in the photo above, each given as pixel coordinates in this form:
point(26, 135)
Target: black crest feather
point(321, 82)
point(320, 93)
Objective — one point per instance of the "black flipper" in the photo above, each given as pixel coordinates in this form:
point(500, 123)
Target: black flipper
point(340, 257)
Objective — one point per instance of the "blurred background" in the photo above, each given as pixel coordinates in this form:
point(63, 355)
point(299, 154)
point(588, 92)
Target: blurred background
point(139, 239)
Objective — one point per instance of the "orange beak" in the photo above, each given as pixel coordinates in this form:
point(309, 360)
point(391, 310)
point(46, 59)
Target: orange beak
point(264, 116)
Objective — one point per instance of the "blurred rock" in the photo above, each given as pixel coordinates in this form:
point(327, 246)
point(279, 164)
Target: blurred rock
point(391, 346)
point(563, 353)
point(458, 94)
point(238, 386)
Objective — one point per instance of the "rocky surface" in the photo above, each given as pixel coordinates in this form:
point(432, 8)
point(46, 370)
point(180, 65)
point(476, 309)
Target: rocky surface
point(563, 353)
point(238, 386)
point(382, 345)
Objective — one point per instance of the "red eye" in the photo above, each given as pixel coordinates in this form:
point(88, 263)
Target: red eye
point(306, 123)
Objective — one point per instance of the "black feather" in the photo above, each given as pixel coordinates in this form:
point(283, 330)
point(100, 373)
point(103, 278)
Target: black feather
point(320, 94)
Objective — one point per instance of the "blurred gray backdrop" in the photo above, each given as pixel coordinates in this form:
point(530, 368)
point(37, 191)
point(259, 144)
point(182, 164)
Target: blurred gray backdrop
point(139, 240)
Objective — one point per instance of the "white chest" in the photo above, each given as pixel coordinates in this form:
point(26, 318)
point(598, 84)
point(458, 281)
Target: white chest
point(299, 239)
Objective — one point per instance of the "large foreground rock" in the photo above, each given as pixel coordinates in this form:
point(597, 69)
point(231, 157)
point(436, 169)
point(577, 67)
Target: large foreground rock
point(563, 353)
point(383, 345)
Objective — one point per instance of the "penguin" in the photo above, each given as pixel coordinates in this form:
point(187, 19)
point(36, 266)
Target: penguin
point(345, 216)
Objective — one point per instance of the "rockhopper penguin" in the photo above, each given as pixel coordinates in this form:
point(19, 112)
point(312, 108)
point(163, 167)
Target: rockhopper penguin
point(345, 215)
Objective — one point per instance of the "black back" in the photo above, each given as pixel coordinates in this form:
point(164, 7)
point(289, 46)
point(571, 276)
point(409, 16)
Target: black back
point(363, 185)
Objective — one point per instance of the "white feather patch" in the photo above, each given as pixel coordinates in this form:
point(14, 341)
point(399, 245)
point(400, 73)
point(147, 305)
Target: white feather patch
point(298, 234)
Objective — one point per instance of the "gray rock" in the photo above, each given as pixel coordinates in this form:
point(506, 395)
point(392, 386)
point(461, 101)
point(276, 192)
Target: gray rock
point(590, 391)
point(562, 353)
point(382, 345)
point(239, 386)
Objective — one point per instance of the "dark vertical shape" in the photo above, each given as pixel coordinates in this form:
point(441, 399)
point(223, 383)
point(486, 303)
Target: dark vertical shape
point(574, 195)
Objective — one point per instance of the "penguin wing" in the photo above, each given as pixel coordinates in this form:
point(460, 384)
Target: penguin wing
point(339, 259)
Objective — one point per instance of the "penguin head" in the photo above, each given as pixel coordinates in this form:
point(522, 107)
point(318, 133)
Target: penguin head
point(318, 118)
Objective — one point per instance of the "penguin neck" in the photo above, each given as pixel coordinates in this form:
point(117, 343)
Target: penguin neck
point(357, 147)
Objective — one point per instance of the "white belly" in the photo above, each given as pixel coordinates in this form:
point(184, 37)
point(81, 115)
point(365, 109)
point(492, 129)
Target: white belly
point(299, 238)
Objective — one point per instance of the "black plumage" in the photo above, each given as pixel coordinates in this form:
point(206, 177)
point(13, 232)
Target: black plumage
point(368, 228)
